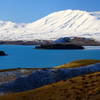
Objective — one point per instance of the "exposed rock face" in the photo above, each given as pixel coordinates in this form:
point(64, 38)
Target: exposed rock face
point(2, 53)
point(59, 46)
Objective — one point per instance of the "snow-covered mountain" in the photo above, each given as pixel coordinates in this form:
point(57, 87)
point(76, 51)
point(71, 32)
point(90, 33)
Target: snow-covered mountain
point(58, 24)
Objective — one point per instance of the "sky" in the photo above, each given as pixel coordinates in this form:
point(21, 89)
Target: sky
point(26, 11)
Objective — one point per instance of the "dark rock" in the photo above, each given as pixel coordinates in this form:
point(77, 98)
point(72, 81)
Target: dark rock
point(2, 53)
point(59, 46)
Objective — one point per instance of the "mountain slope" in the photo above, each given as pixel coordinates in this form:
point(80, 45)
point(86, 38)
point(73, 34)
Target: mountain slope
point(59, 24)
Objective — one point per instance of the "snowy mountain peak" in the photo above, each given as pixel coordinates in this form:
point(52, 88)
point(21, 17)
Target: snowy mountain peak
point(64, 23)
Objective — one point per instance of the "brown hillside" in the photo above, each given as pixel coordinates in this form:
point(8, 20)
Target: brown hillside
point(79, 63)
point(86, 87)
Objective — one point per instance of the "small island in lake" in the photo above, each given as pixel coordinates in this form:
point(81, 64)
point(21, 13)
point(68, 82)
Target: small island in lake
point(59, 46)
point(2, 53)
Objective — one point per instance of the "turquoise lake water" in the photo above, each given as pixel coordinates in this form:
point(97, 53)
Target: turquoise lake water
point(28, 57)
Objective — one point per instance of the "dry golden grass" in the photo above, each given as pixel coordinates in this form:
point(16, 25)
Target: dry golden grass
point(85, 87)
point(79, 63)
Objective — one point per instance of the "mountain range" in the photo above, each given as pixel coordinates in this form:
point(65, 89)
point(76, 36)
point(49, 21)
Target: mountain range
point(66, 23)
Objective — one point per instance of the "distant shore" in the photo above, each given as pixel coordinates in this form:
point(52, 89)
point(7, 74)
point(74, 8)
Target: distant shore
point(39, 42)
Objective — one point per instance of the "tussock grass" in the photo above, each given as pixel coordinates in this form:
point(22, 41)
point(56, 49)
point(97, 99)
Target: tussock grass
point(85, 87)
point(79, 63)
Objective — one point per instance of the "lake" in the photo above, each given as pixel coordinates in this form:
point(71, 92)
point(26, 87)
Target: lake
point(28, 57)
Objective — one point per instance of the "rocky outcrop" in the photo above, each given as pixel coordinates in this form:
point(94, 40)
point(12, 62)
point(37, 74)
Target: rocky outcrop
point(2, 53)
point(59, 46)
point(78, 40)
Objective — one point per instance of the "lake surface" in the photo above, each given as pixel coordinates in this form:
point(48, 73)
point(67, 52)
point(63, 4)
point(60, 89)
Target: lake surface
point(28, 57)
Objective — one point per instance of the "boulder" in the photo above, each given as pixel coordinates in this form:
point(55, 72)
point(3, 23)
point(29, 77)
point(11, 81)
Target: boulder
point(2, 53)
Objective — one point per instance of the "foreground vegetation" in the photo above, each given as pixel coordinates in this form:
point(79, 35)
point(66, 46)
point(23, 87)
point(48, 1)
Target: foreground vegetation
point(79, 63)
point(85, 87)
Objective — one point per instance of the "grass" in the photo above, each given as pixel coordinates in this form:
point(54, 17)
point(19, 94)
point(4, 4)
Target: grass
point(86, 87)
point(79, 63)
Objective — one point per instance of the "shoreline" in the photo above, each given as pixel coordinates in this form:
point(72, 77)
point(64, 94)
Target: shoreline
point(82, 62)
point(39, 42)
